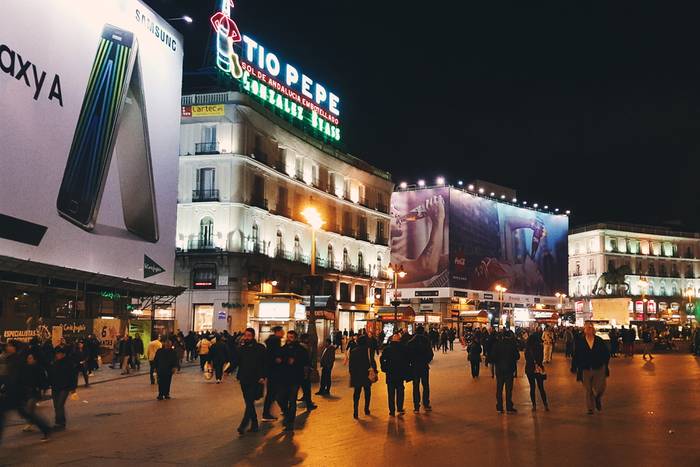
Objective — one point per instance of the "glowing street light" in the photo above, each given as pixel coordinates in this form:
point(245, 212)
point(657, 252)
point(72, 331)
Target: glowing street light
point(403, 185)
point(313, 218)
point(440, 180)
point(396, 271)
point(421, 183)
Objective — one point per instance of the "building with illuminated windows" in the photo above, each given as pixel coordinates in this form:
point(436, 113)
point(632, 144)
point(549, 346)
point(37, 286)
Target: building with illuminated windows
point(245, 176)
point(664, 267)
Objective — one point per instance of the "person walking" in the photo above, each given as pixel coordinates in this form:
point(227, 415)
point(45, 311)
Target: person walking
point(474, 350)
point(360, 362)
point(165, 362)
point(153, 347)
point(590, 362)
point(138, 350)
point(505, 356)
point(534, 369)
point(327, 361)
point(63, 377)
point(548, 340)
point(80, 357)
point(126, 352)
point(295, 359)
point(394, 362)
point(273, 367)
point(249, 358)
point(489, 338)
point(614, 341)
point(420, 355)
point(306, 382)
point(203, 347)
point(218, 356)
point(648, 342)
point(569, 343)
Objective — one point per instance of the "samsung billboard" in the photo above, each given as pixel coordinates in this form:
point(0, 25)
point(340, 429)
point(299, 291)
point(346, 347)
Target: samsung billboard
point(89, 137)
point(446, 237)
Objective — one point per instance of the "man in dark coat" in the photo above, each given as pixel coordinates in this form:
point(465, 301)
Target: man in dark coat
point(250, 361)
point(166, 364)
point(63, 376)
point(327, 361)
point(218, 356)
point(421, 354)
point(295, 360)
point(273, 366)
point(395, 364)
point(504, 356)
point(126, 352)
point(137, 346)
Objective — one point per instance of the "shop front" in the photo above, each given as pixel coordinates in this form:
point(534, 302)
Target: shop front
point(469, 320)
point(285, 309)
point(402, 317)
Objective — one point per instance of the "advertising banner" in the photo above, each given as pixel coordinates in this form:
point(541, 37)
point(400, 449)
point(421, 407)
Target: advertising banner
point(445, 237)
point(46, 329)
point(89, 140)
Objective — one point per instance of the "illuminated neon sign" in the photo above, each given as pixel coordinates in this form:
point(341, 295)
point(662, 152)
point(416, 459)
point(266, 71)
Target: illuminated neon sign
point(278, 84)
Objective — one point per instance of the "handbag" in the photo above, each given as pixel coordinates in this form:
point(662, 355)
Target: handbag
point(372, 373)
point(539, 370)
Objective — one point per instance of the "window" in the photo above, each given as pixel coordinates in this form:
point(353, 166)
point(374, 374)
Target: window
point(662, 289)
point(674, 289)
point(255, 238)
point(360, 263)
point(689, 272)
point(652, 269)
point(360, 294)
point(591, 267)
point(204, 276)
point(330, 258)
point(344, 292)
point(381, 237)
point(297, 248)
point(613, 244)
point(209, 134)
point(346, 258)
point(206, 232)
point(662, 270)
point(208, 143)
point(279, 246)
point(379, 264)
point(639, 270)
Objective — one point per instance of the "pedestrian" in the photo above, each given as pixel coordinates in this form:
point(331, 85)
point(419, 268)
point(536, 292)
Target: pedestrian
point(327, 361)
point(489, 338)
point(20, 388)
point(504, 356)
point(63, 377)
point(548, 341)
point(138, 351)
point(306, 382)
point(153, 347)
point(249, 358)
point(648, 342)
point(295, 359)
point(394, 362)
point(165, 361)
point(116, 358)
point(126, 352)
point(190, 346)
point(80, 357)
point(218, 356)
point(443, 340)
point(590, 363)
point(474, 355)
point(273, 371)
point(420, 355)
point(569, 343)
point(203, 347)
point(451, 336)
point(360, 362)
point(534, 369)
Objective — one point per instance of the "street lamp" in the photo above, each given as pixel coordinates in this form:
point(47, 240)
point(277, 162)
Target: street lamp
point(396, 271)
point(561, 297)
point(501, 295)
point(313, 218)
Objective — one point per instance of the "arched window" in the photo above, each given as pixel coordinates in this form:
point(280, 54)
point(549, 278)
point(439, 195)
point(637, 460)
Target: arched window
point(279, 246)
point(329, 257)
point(206, 232)
point(346, 259)
point(360, 263)
point(674, 289)
point(297, 248)
point(379, 264)
point(255, 238)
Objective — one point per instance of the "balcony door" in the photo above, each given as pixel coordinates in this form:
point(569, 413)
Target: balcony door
point(206, 233)
point(206, 185)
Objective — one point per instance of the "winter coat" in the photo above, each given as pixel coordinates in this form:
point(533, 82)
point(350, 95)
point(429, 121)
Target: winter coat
point(360, 363)
point(63, 375)
point(165, 361)
point(250, 361)
point(395, 363)
point(420, 353)
point(328, 357)
point(296, 360)
point(504, 355)
point(274, 360)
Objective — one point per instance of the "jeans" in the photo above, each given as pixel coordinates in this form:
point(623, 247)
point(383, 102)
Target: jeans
point(164, 381)
point(536, 380)
point(203, 359)
point(504, 381)
point(218, 370)
point(306, 391)
point(250, 391)
point(396, 395)
point(421, 377)
point(356, 397)
point(59, 405)
point(288, 400)
point(593, 385)
point(325, 386)
point(476, 366)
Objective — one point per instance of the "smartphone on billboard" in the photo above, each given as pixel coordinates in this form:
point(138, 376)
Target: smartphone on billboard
point(93, 142)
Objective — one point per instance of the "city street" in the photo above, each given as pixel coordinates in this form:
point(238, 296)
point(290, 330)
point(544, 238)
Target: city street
point(649, 418)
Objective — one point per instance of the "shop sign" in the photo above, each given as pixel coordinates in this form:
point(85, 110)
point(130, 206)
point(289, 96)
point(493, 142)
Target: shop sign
point(427, 293)
point(221, 315)
point(214, 110)
point(275, 82)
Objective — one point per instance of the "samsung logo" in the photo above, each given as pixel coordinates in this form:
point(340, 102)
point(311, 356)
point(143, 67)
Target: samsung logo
point(156, 30)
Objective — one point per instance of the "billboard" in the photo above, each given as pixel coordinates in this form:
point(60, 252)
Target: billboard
point(89, 144)
point(448, 237)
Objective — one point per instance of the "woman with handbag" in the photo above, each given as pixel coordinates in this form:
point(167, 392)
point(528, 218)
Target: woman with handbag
point(534, 368)
point(363, 372)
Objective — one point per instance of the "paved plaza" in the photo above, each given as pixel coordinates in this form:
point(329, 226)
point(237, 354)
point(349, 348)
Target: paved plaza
point(650, 418)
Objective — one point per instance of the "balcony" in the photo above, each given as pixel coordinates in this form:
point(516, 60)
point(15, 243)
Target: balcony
point(299, 175)
point(349, 268)
point(199, 196)
point(382, 207)
point(211, 147)
point(258, 202)
point(201, 244)
point(255, 247)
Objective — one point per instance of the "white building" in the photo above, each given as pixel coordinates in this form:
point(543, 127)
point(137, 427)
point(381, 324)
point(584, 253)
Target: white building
point(245, 176)
point(664, 263)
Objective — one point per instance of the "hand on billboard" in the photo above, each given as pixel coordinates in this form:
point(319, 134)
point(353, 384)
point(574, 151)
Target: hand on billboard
point(435, 208)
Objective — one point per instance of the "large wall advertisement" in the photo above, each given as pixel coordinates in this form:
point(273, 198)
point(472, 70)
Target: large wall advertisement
point(89, 136)
point(448, 237)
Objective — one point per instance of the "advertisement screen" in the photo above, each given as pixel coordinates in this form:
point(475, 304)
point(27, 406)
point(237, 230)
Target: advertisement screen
point(446, 237)
point(89, 137)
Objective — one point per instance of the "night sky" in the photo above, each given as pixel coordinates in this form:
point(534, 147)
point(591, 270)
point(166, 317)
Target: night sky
point(590, 108)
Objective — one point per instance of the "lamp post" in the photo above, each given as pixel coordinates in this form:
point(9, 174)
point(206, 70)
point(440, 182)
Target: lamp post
point(501, 295)
point(313, 218)
point(396, 271)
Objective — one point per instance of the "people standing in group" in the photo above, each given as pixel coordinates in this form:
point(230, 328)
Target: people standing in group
point(590, 362)
point(420, 354)
point(647, 342)
point(360, 362)
point(63, 377)
point(505, 356)
point(327, 361)
point(153, 347)
point(203, 347)
point(548, 344)
point(165, 362)
point(274, 368)
point(395, 363)
point(474, 350)
point(534, 369)
point(295, 360)
point(249, 358)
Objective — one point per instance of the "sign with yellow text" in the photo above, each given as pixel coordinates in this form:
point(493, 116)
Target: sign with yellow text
point(214, 110)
